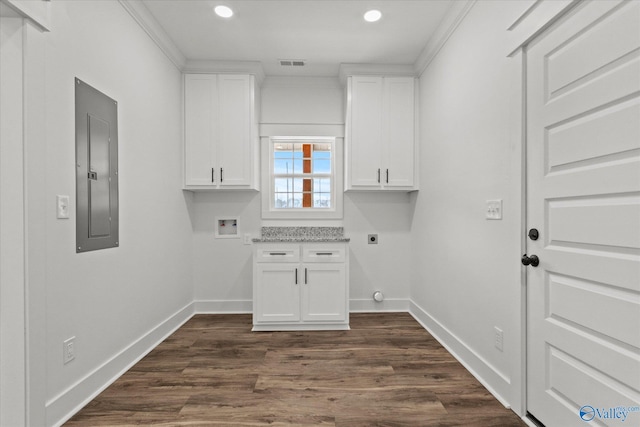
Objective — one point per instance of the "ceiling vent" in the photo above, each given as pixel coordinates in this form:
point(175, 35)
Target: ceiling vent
point(292, 62)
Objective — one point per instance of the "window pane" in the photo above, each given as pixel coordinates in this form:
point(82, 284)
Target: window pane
point(322, 166)
point(322, 185)
point(321, 155)
point(281, 200)
point(282, 166)
point(321, 200)
point(296, 200)
point(297, 185)
point(283, 185)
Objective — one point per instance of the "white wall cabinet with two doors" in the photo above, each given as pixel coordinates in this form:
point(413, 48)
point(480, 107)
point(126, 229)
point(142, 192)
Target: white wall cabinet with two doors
point(221, 132)
point(300, 286)
point(381, 149)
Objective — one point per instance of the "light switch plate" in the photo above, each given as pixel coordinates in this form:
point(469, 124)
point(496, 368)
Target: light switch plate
point(62, 210)
point(493, 209)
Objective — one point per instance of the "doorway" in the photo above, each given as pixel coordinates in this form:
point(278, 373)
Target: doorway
point(583, 217)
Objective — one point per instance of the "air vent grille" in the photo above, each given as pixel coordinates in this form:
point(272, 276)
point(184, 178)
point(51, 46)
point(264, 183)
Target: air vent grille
point(292, 62)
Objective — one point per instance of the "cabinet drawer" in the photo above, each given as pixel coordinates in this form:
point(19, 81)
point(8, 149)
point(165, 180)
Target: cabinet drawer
point(278, 253)
point(323, 253)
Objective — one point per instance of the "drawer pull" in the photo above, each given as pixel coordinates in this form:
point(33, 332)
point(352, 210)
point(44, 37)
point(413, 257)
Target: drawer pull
point(296, 273)
point(277, 253)
point(324, 253)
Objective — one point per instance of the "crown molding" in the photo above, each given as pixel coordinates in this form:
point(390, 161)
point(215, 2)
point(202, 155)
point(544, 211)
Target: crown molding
point(456, 13)
point(150, 25)
point(38, 12)
point(225, 67)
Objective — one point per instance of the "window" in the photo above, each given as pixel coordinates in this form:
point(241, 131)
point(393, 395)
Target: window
point(302, 178)
point(302, 175)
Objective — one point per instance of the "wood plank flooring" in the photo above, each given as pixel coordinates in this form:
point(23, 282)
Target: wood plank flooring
point(386, 371)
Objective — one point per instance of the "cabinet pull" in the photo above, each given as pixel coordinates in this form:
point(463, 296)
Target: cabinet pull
point(324, 253)
point(277, 253)
point(305, 275)
point(378, 175)
point(296, 273)
point(387, 176)
point(212, 171)
point(222, 176)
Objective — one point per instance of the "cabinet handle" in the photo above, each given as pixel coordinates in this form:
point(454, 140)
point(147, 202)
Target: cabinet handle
point(305, 275)
point(324, 253)
point(296, 273)
point(212, 171)
point(378, 175)
point(277, 253)
point(221, 176)
point(387, 176)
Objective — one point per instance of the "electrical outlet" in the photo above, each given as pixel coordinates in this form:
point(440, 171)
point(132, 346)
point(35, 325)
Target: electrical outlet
point(372, 239)
point(499, 338)
point(69, 350)
point(247, 238)
point(62, 207)
point(493, 209)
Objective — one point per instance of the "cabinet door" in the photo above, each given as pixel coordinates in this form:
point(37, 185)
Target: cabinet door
point(365, 132)
point(278, 294)
point(399, 134)
point(200, 128)
point(235, 126)
point(324, 292)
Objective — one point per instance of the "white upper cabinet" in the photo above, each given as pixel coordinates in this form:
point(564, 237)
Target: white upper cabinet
point(221, 141)
point(381, 133)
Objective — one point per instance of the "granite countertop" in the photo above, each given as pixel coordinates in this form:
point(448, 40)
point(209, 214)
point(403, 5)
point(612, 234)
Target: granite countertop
point(302, 234)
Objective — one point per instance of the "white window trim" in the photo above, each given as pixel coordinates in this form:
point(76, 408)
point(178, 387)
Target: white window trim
point(269, 212)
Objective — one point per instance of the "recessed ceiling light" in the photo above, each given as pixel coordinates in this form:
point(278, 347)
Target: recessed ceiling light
point(223, 11)
point(372, 15)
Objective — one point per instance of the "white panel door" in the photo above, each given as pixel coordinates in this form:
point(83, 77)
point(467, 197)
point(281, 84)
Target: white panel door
point(200, 116)
point(234, 137)
point(324, 292)
point(278, 293)
point(399, 133)
point(365, 132)
point(583, 196)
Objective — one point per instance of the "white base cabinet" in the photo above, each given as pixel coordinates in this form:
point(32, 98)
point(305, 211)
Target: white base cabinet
point(300, 286)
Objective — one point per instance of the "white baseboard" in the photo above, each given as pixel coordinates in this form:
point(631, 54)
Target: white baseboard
point(223, 306)
point(65, 405)
point(246, 306)
point(488, 376)
point(370, 306)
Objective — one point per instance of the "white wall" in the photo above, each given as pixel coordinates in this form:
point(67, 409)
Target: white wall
point(222, 267)
point(110, 300)
point(466, 277)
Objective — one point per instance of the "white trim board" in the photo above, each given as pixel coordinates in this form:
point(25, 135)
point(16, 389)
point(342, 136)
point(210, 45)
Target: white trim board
point(63, 406)
point(472, 361)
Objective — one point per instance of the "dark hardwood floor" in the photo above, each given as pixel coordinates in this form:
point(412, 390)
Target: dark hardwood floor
point(386, 371)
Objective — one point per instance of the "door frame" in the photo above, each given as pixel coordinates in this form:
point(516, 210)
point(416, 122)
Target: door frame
point(32, 309)
point(536, 18)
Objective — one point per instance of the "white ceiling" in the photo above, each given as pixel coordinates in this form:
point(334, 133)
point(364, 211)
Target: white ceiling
point(324, 33)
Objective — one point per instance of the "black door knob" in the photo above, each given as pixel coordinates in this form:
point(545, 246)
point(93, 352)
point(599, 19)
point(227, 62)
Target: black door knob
point(532, 260)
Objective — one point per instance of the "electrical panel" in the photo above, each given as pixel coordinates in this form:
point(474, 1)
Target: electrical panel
point(96, 169)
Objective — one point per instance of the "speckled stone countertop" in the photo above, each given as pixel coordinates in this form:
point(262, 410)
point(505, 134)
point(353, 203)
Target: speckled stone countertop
point(302, 234)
